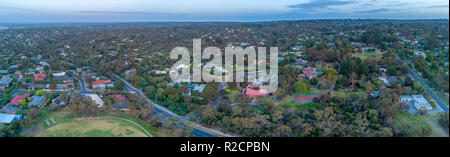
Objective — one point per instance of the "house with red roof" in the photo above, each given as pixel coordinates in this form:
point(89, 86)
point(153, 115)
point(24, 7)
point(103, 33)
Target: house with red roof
point(309, 72)
point(102, 84)
point(39, 77)
point(119, 97)
point(17, 99)
point(253, 92)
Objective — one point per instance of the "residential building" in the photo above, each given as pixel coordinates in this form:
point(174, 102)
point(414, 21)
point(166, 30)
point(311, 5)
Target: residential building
point(9, 118)
point(5, 82)
point(39, 77)
point(421, 103)
point(196, 87)
point(309, 72)
point(418, 101)
point(36, 100)
point(96, 100)
point(10, 109)
point(253, 92)
point(59, 74)
point(16, 99)
point(102, 84)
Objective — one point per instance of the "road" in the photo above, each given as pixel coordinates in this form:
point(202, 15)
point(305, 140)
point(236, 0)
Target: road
point(430, 92)
point(219, 95)
point(165, 114)
point(84, 90)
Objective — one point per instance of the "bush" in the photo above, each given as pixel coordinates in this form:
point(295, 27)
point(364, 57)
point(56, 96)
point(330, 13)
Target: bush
point(443, 120)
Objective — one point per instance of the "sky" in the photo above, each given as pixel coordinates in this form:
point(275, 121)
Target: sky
point(49, 11)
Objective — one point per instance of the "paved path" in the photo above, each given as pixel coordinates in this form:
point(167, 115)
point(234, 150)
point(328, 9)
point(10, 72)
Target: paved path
point(146, 132)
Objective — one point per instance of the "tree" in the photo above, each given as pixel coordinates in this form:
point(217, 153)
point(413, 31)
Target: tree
point(418, 87)
point(40, 92)
point(23, 102)
point(52, 85)
point(301, 87)
point(392, 71)
point(443, 120)
point(210, 92)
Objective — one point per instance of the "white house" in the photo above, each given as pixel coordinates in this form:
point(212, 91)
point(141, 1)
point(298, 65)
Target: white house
point(421, 103)
point(59, 74)
point(96, 99)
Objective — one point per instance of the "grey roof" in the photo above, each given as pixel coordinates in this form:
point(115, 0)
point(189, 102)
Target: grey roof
point(5, 80)
point(10, 108)
point(420, 99)
point(36, 100)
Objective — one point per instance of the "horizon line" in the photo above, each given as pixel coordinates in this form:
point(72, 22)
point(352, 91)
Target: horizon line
point(223, 21)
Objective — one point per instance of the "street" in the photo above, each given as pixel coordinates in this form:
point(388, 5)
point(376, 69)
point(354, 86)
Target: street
point(165, 114)
point(430, 92)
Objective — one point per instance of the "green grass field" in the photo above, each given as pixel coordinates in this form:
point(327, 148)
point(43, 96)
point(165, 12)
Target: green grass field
point(69, 126)
point(417, 121)
point(101, 127)
point(375, 56)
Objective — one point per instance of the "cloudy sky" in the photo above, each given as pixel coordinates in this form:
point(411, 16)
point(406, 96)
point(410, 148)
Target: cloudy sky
point(35, 11)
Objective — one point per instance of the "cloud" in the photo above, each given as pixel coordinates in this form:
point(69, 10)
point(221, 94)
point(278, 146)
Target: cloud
point(438, 6)
point(127, 12)
point(320, 4)
point(381, 10)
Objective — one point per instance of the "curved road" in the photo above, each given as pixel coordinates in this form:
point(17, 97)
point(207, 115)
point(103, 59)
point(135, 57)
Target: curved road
point(166, 114)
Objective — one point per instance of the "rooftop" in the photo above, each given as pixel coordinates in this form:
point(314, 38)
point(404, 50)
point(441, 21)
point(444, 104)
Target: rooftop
point(15, 100)
point(96, 82)
point(9, 118)
point(36, 100)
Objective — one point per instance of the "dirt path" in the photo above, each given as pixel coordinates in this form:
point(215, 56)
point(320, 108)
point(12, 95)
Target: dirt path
point(31, 131)
point(436, 127)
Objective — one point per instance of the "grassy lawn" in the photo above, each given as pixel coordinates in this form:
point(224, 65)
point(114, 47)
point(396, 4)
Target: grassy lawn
point(69, 126)
point(288, 102)
point(417, 120)
point(307, 106)
point(156, 132)
point(346, 95)
point(101, 127)
point(364, 56)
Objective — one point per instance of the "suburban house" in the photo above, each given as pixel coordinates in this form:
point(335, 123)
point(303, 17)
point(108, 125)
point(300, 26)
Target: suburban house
point(5, 82)
point(36, 86)
point(36, 100)
point(252, 92)
point(96, 99)
point(309, 72)
point(196, 87)
point(63, 86)
point(10, 108)
point(385, 80)
point(418, 101)
point(57, 102)
point(59, 74)
point(16, 99)
point(39, 77)
point(123, 107)
point(9, 118)
point(102, 84)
